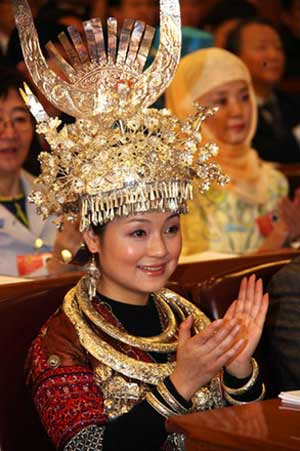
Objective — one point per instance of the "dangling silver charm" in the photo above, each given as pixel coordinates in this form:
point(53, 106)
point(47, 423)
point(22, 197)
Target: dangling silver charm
point(94, 274)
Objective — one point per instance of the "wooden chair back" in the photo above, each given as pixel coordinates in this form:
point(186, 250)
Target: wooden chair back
point(24, 307)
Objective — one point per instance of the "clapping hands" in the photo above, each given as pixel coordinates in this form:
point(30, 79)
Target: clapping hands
point(228, 342)
point(249, 310)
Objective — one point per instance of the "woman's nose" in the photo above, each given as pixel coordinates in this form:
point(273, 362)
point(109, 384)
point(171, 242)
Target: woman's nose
point(235, 107)
point(157, 246)
point(8, 130)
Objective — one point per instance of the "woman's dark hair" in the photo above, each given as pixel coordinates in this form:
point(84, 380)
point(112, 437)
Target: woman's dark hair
point(83, 255)
point(98, 229)
point(233, 41)
point(10, 78)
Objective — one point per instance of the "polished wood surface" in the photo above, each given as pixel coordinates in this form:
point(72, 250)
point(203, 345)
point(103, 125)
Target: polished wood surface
point(203, 270)
point(256, 426)
point(14, 290)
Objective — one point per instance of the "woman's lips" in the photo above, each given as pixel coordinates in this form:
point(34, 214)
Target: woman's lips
point(237, 127)
point(153, 270)
point(8, 150)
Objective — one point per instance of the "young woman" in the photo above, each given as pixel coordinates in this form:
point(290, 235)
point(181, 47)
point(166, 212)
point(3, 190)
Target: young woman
point(252, 212)
point(123, 353)
point(102, 373)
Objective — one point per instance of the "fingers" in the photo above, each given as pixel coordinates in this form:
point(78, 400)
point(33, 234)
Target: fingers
point(208, 333)
point(258, 295)
point(200, 357)
point(250, 298)
point(218, 336)
point(229, 355)
point(250, 294)
point(242, 290)
point(247, 289)
point(185, 331)
point(230, 313)
point(261, 314)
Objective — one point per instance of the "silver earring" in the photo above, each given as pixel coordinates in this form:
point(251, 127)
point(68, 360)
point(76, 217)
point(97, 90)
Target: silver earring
point(93, 276)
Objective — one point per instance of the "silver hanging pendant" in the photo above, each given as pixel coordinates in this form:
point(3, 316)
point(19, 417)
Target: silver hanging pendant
point(93, 276)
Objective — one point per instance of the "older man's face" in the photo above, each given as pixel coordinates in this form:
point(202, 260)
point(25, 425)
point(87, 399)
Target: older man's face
point(262, 52)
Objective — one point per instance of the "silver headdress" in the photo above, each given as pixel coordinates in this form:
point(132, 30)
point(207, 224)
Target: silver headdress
point(120, 157)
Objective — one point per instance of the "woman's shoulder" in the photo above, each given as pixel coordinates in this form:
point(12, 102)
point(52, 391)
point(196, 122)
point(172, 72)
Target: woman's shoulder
point(271, 170)
point(57, 345)
point(275, 176)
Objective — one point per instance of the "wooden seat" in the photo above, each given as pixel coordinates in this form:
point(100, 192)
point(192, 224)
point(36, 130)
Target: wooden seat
point(217, 293)
point(24, 307)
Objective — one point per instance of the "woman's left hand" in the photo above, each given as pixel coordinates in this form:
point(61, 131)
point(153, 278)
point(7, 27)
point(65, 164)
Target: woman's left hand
point(250, 309)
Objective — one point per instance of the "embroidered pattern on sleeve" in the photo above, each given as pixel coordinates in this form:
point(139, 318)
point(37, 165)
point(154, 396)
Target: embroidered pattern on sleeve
point(88, 439)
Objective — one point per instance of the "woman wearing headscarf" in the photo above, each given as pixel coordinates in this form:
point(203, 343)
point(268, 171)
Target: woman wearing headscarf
point(252, 212)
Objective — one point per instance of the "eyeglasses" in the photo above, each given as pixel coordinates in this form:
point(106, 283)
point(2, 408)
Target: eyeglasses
point(21, 122)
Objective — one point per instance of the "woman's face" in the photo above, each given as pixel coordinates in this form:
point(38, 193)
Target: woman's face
point(231, 124)
point(137, 255)
point(16, 133)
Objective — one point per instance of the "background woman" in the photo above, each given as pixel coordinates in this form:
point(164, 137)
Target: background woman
point(252, 212)
point(26, 242)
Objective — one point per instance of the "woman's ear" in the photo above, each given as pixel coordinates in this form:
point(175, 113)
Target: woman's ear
point(92, 241)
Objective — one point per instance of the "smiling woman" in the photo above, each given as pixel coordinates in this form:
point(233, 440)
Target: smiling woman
point(234, 119)
point(123, 353)
point(137, 255)
point(26, 242)
point(247, 215)
point(22, 233)
point(16, 132)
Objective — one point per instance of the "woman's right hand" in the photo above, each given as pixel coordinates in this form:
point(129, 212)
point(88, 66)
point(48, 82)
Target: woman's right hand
point(200, 357)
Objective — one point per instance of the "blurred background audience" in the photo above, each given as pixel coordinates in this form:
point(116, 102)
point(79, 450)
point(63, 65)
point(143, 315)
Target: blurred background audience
point(265, 35)
point(145, 10)
point(252, 212)
point(258, 44)
point(224, 15)
point(289, 28)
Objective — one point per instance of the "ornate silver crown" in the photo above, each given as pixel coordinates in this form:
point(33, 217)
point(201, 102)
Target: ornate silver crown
point(120, 157)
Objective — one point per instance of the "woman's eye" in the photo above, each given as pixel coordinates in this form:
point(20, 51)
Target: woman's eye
point(20, 119)
point(172, 229)
point(222, 101)
point(245, 97)
point(138, 233)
